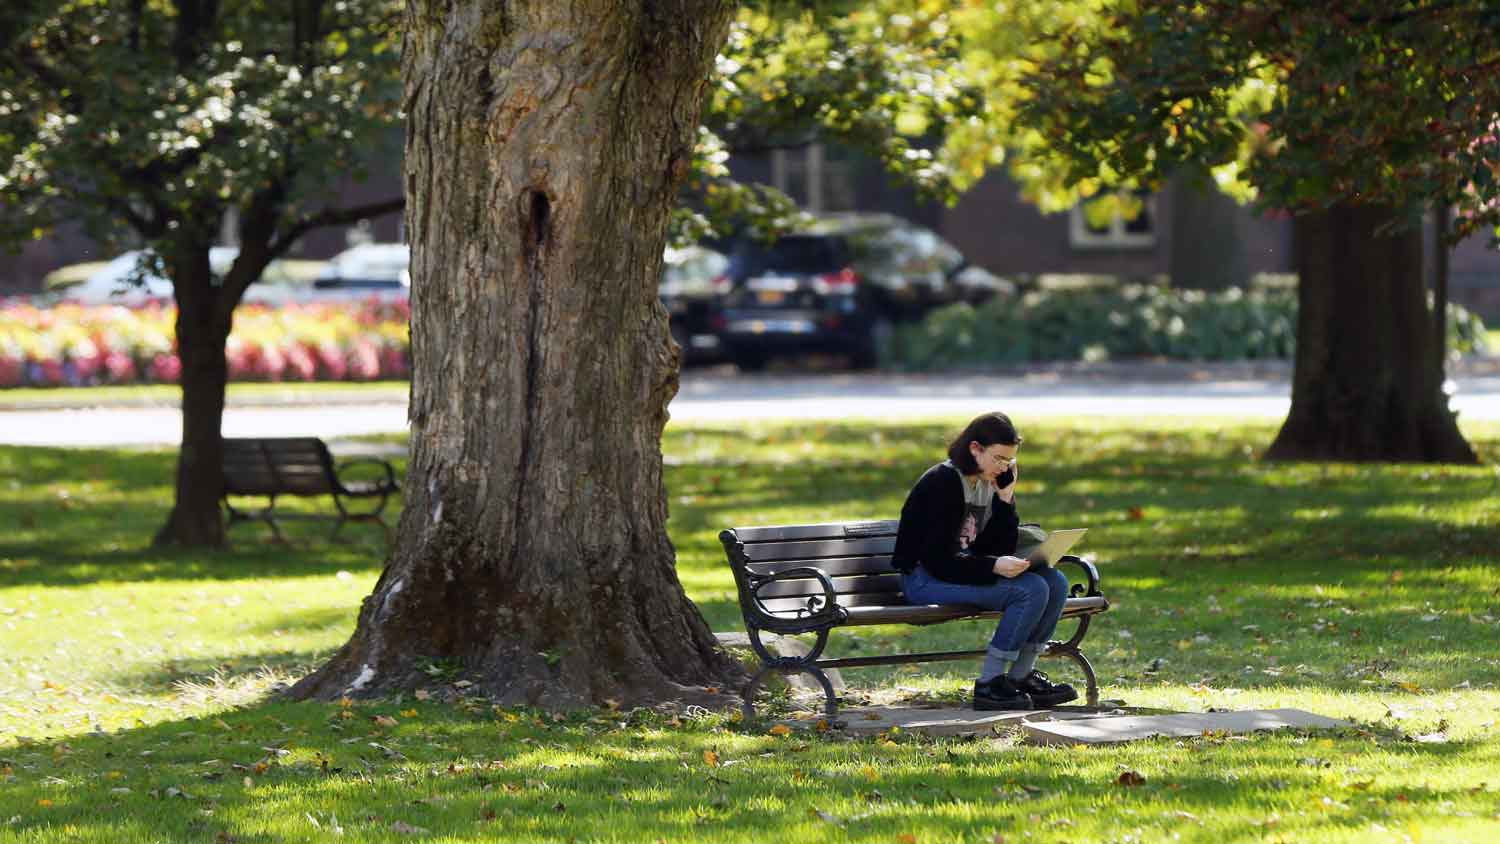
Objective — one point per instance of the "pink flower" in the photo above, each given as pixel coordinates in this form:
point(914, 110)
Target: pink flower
point(272, 363)
point(119, 368)
point(364, 361)
point(331, 364)
point(299, 364)
point(166, 369)
point(11, 370)
point(393, 362)
point(49, 373)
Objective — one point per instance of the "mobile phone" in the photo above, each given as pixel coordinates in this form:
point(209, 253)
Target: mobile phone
point(1006, 478)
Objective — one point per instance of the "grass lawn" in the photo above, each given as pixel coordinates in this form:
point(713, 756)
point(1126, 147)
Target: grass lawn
point(133, 681)
point(43, 397)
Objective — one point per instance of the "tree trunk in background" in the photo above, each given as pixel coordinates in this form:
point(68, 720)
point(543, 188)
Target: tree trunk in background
point(1441, 214)
point(546, 142)
point(1365, 386)
point(202, 330)
point(1208, 247)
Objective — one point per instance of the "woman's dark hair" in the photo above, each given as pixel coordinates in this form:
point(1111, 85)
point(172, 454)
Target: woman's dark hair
point(987, 430)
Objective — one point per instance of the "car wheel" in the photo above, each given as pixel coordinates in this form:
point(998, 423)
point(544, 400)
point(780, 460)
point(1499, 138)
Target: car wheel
point(750, 361)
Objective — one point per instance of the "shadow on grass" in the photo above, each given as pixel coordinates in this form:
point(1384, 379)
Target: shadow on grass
point(277, 771)
point(83, 516)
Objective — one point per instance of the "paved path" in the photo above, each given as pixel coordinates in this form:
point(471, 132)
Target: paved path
point(723, 397)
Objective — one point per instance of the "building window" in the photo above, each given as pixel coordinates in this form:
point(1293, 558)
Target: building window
point(819, 178)
point(1116, 233)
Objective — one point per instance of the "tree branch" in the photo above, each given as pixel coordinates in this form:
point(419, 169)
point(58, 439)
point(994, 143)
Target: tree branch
point(334, 217)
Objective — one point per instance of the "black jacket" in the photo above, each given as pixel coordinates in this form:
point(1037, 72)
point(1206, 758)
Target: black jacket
point(930, 521)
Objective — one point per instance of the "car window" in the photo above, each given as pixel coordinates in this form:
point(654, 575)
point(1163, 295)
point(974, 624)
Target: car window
point(799, 254)
point(903, 250)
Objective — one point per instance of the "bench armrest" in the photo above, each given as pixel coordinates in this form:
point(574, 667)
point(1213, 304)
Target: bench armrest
point(390, 471)
point(1089, 571)
point(829, 615)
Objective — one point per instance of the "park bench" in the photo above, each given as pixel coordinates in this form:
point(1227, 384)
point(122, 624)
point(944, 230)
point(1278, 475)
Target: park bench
point(302, 467)
point(795, 579)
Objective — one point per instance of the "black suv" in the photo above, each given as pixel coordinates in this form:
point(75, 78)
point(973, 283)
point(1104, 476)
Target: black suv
point(838, 288)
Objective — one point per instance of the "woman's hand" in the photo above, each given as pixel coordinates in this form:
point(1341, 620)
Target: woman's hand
point(1008, 492)
point(1010, 566)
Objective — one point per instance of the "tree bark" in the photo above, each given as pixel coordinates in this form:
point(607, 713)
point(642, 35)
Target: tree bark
point(202, 330)
point(546, 142)
point(1441, 213)
point(1364, 385)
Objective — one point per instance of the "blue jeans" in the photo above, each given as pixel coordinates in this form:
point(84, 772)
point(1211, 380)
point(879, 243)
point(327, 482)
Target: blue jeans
point(1032, 603)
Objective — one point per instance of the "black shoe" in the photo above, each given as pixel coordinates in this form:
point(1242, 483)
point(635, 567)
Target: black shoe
point(1045, 693)
point(1000, 693)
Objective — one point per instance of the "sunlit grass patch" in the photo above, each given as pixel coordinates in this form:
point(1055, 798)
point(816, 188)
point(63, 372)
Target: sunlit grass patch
point(1365, 593)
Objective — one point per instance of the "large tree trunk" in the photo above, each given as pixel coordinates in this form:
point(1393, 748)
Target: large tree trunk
point(202, 329)
point(546, 144)
point(1365, 385)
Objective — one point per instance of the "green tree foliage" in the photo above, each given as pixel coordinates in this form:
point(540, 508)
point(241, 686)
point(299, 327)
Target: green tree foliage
point(151, 119)
point(163, 115)
point(884, 77)
point(1303, 103)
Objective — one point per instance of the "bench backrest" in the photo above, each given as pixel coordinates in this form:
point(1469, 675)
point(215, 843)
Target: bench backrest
point(855, 555)
point(277, 466)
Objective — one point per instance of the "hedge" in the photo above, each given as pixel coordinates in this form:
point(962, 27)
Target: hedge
point(1129, 322)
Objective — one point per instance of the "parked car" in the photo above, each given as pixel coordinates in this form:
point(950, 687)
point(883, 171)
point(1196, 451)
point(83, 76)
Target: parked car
point(113, 283)
point(912, 265)
point(379, 270)
point(840, 287)
point(692, 279)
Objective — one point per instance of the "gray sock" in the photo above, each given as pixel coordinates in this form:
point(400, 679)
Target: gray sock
point(1025, 661)
point(996, 663)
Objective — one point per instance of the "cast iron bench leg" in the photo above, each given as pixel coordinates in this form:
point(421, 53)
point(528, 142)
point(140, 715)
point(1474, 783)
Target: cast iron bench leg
point(787, 666)
point(1065, 649)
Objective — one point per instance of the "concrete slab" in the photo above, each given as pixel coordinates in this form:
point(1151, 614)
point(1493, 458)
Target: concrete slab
point(786, 646)
point(1109, 730)
point(948, 720)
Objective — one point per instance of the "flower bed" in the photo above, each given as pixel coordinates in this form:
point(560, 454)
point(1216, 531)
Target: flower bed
point(78, 345)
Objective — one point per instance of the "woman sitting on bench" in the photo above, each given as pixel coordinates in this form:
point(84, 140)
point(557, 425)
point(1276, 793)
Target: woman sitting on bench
point(956, 544)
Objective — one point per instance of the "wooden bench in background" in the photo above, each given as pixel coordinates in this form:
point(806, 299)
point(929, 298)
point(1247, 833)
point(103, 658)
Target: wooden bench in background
point(814, 578)
point(303, 467)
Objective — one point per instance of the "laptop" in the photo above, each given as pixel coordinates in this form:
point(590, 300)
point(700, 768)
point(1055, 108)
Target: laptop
point(1057, 544)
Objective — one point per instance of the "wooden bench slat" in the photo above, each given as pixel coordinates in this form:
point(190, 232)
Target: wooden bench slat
point(815, 549)
point(882, 584)
point(831, 566)
point(829, 530)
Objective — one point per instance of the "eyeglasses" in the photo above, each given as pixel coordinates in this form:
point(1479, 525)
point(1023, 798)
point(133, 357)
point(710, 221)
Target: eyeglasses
point(1004, 461)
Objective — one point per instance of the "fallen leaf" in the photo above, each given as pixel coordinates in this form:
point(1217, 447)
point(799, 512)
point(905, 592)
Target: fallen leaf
point(408, 713)
point(384, 720)
point(1136, 514)
point(711, 759)
point(1130, 778)
point(421, 694)
point(907, 838)
point(780, 730)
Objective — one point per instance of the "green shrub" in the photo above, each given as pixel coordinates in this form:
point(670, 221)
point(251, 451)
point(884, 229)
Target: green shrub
point(1124, 322)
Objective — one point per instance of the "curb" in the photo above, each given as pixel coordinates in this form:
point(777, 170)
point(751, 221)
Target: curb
point(1147, 371)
